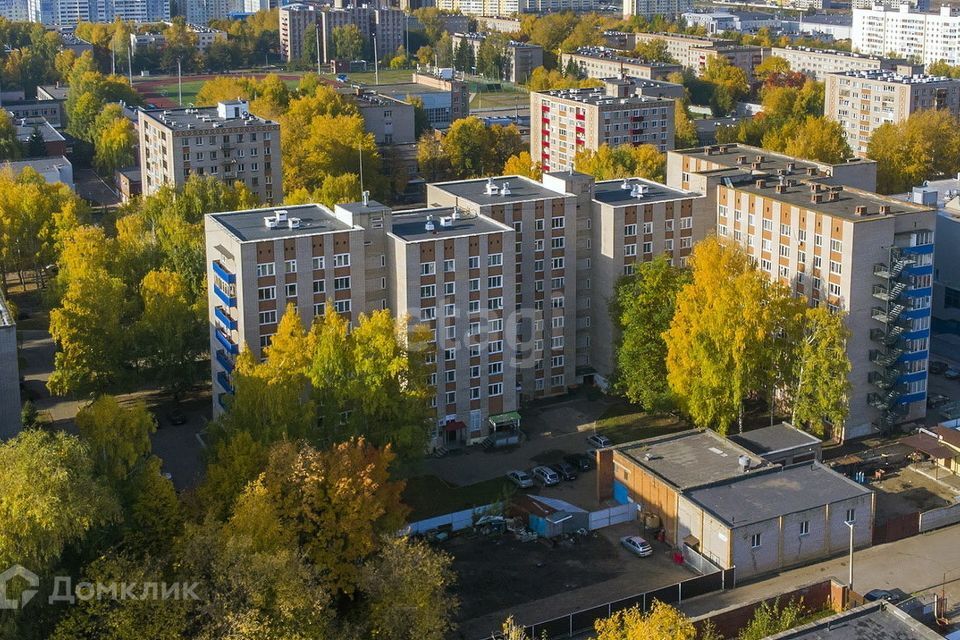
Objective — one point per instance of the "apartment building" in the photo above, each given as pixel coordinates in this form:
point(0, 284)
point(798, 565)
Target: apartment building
point(51, 110)
point(225, 141)
point(817, 63)
point(694, 51)
point(918, 5)
point(855, 251)
point(389, 120)
point(633, 221)
point(565, 122)
point(521, 58)
point(703, 169)
point(9, 374)
point(384, 24)
point(511, 7)
point(499, 23)
point(925, 37)
point(861, 101)
point(651, 8)
point(445, 99)
point(603, 62)
point(200, 12)
point(625, 85)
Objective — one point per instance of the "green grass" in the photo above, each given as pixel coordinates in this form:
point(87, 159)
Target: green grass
point(192, 87)
point(624, 422)
point(387, 76)
point(429, 496)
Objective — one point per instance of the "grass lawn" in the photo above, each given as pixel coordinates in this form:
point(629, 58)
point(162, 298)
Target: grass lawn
point(192, 87)
point(508, 96)
point(387, 76)
point(624, 422)
point(429, 496)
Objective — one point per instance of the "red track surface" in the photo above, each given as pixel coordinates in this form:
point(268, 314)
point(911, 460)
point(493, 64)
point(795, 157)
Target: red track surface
point(149, 88)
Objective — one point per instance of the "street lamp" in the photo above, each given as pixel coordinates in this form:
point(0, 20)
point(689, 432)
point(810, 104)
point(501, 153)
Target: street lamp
point(850, 563)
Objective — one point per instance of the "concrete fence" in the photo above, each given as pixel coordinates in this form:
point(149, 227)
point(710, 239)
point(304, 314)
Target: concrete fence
point(936, 518)
point(458, 520)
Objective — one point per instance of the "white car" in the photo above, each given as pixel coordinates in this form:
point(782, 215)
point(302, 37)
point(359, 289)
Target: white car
point(637, 545)
point(599, 441)
point(546, 475)
point(520, 478)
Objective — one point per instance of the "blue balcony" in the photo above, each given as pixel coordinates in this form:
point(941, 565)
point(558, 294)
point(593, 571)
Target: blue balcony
point(916, 335)
point(226, 298)
point(222, 273)
point(919, 293)
point(913, 356)
point(913, 314)
point(912, 397)
point(918, 249)
point(914, 376)
point(224, 382)
point(229, 345)
point(225, 318)
point(921, 270)
point(224, 360)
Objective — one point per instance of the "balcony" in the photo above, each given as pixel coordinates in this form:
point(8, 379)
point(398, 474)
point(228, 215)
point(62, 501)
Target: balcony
point(888, 316)
point(229, 345)
point(884, 401)
point(222, 272)
point(880, 292)
point(224, 381)
point(224, 360)
point(225, 318)
point(894, 269)
point(226, 297)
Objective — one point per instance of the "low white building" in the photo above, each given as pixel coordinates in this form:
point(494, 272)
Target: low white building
point(54, 169)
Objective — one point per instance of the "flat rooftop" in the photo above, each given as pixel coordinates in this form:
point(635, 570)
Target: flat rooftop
point(845, 206)
point(745, 499)
point(404, 88)
point(57, 93)
point(778, 437)
point(26, 126)
point(872, 621)
point(201, 118)
point(728, 154)
point(475, 191)
point(411, 226)
point(691, 458)
point(606, 53)
point(248, 226)
point(612, 192)
point(38, 164)
point(892, 77)
point(599, 95)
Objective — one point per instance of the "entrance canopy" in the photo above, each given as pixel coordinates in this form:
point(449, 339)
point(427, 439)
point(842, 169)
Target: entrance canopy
point(502, 420)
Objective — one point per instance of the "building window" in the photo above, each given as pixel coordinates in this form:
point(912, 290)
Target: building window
point(427, 291)
point(449, 266)
point(951, 298)
point(291, 289)
point(342, 306)
point(629, 250)
point(630, 230)
point(556, 381)
point(755, 541)
point(449, 355)
point(267, 293)
point(449, 288)
point(341, 284)
point(495, 389)
point(494, 259)
point(290, 266)
point(268, 317)
point(851, 516)
point(449, 310)
point(318, 262)
point(428, 313)
point(495, 368)
point(319, 309)
point(319, 286)
point(428, 268)
point(494, 282)
point(473, 262)
point(341, 260)
point(834, 267)
point(805, 528)
point(558, 243)
point(557, 223)
point(266, 269)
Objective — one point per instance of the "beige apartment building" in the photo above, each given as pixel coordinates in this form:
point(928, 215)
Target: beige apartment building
point(703, 169)
point(385, 24)
point(521, 57)
point(862, 101)
point(694, 51)
point(389, 120)
point(601, 62)
point(566, 121)
point(226, 142)
point(817, 63)
point(295, 20)
point(855, 251)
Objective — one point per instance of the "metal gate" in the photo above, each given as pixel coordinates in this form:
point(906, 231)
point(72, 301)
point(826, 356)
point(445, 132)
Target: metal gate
point(897, 528)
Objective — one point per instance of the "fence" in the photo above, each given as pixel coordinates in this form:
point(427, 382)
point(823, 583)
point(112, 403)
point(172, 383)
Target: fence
point(582, 621)
point(897, 528)
point(458, 520)
point(700, 562)
point(936, 518)
point(613, 515)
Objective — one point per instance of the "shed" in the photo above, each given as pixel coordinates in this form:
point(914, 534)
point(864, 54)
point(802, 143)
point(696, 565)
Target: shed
point(781, 444)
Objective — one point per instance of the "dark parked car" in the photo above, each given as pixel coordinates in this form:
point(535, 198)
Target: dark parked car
point(581, 461)
point(882, 594)
point(938, 367)
point(565, 471)
point(176, 417)
point(952, 374)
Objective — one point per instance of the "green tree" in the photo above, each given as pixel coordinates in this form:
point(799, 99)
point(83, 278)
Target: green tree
point(235, 460)
point(643, 309)
point(408, 587)
point(114, 146)
point(730, 83)
point(463, 57)
point(421, 122)
point(118, 438)
point(770, 618)
point(624, 161)
point(9, 145)
point(36, 147)
point(444, 51)
point(170, 330)
point(52, 498)
point(924, 146)
point(154, 517)
point(685, 132)
point(822, 380)
point(348, 42)
point(653, 51)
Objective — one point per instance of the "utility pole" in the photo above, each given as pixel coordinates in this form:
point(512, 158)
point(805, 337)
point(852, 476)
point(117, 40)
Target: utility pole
point(129, 65)
point(179, 84)
point(376, 62)
point(850, 562)
point(317, 26)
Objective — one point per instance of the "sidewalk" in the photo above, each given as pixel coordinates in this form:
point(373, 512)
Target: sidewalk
point(916, 564)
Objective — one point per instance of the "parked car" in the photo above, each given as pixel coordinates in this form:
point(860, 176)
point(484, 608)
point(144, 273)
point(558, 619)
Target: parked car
point(520, 478)
point(546, 475)
point(938, 367)
point(882, 594)
point(581, 461)
point(935, 400)
point(599, 441)
point(637, 545)
point(951, 374)
point(176, 417)
point(565, 471)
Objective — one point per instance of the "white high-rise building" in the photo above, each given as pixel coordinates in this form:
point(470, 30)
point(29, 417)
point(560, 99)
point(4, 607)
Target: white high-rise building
point(651, 8)
point(926, 37)
point(66, 13)
point(14, 10)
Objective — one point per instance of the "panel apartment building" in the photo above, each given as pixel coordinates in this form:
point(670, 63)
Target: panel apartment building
point(926, 37)
point(521, 58)
point(603, 62)
point(817, 63)
point(386, 24)
point(502, 270)
point(512, 7)
point(861, 101)
point(225, 141)
point(566, 121)
point(651, 8)
point(695, 51)
point(853, 250)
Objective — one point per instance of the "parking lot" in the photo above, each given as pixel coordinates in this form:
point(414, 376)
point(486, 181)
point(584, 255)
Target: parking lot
point(906, 491)
point(534, 581)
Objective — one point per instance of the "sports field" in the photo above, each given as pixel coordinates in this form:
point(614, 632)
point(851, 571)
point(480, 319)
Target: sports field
point(162, 91)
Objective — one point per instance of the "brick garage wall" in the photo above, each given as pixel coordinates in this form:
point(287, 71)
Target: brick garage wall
point(816, 596)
